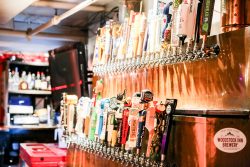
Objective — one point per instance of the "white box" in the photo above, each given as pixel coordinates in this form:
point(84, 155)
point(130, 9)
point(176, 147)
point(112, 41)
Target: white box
point(18, 109)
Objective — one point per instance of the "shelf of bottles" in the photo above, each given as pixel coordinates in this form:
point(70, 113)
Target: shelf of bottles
point(28, 83)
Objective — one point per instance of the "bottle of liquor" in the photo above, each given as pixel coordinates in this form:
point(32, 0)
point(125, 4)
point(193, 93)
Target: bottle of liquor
point(44, 84)
point(29, 79)
point(23, 85)
point(10, 80)
point(32, 83)
point(38, 81)
point(16, 79)
point(48, 83)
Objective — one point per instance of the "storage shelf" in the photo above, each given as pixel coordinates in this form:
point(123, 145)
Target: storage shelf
point(41, 64)
point(31, 92)
point(31, 127)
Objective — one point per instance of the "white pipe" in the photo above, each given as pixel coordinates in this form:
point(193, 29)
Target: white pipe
point(66, 5)
point(57, 19)
point(76, 9)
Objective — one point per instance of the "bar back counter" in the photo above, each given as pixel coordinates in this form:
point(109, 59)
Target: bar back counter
point(211, 124)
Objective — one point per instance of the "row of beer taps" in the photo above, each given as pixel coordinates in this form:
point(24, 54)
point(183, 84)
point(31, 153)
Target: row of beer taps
point(115, 154)
point(151, 60)
point(131, 156)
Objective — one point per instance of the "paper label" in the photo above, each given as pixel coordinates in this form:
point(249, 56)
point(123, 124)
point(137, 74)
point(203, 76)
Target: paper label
point(230, 140)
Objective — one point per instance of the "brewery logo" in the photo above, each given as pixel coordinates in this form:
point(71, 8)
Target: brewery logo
point(230, 140)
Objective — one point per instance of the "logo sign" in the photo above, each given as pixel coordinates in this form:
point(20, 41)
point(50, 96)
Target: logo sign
point(230, 140)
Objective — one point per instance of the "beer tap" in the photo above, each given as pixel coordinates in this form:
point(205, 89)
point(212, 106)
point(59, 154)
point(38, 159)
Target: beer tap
point(124, 160)
point(109, 152)
point(142, 160)
point(104, 152)
point(112, 154)
point(105, 121)
point(146, 97)
point(63, 109)
point(136, 160)
point(116, 157)
point(131, 159)
point(125, 126)
point(147, 163)
point(170, 109)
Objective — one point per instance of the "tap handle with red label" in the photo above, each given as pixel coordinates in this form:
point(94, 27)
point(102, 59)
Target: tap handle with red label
point(125, 126)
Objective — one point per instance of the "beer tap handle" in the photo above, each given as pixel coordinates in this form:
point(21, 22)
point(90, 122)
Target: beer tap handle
point(141, 129)
point(170, 109)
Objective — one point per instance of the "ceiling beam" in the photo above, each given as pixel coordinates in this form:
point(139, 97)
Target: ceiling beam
point(66, 5)
point(47, 36)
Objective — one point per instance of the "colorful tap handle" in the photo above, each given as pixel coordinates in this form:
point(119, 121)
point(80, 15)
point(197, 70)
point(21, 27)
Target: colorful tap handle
point(110, 126)
point(150, 121)
point(207, 15)
point(170, 109)
point(125, 127)
point(133, 126)
point(167, 12)
point(141, 128)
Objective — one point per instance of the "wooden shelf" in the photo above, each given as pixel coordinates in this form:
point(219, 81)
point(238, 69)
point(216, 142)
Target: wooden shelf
point(31, 92)
point(41, 64)
point(31, 127)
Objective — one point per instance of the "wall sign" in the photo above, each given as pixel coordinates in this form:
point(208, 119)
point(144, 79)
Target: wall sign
point(230, 140)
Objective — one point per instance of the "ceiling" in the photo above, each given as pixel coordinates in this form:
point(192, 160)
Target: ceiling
point(17, 16)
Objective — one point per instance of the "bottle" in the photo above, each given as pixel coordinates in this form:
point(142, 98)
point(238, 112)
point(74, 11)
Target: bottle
point(29, 78)
point(10, 81)
point(23, 85)
point(44, 84)
point(16, 79)
point(48, 83)
point(38, 81)
point(32, 83)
